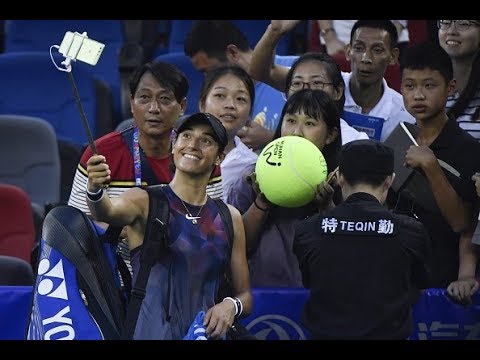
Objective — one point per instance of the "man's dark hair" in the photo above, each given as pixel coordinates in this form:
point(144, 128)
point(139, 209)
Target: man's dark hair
point(386, 25)
point(213, 37)
point(167, 75)
point(428, 55)
point(366, 161)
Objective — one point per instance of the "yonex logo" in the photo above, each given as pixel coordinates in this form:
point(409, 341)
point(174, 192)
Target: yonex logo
point(49, 278)
point(56, 326)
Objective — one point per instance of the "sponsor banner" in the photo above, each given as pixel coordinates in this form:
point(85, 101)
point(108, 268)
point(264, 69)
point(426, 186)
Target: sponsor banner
point(276, 314)
point(438, 318)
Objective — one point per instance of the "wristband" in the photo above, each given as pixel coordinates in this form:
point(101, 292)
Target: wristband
point(234, 303)
point(239, 305)
point(96, 196)
point(258, 207)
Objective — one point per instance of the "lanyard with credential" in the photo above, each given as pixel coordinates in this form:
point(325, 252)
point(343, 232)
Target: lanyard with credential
point(140, 163)
point(137, 162)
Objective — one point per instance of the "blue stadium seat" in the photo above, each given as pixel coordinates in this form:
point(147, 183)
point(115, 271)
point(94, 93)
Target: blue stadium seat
point(15, 271)
point(32, 86)
point(39, 35)
point(177, 35)
point(194, 77)
point(253, 30)
point(29, 157)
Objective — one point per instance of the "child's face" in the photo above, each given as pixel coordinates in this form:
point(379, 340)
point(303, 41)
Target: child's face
point(315, 130)
point(425, 93)
point(229, 100)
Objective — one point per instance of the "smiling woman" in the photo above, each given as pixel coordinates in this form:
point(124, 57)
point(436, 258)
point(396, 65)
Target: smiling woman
point(200, 141)
point(228, 93)
point(199, 137)
point(461, 40)
point(461, 25)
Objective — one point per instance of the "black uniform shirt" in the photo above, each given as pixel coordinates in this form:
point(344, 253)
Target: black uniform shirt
point(362, 263)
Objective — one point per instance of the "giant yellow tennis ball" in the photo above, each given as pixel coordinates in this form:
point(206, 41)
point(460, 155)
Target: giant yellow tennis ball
point(288, 170)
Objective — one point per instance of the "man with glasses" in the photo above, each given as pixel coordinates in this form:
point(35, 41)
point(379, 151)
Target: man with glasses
point(372, 48)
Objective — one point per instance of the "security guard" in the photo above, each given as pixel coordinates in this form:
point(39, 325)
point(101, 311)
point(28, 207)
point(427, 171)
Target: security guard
point(363, 264)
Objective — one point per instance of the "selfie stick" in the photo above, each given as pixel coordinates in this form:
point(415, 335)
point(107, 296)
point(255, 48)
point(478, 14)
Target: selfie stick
point(68, 68)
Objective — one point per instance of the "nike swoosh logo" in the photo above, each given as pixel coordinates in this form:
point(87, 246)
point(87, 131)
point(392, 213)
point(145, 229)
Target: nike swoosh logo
point(192, 217)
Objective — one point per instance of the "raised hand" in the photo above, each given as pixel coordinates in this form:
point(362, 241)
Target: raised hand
point(283, 26)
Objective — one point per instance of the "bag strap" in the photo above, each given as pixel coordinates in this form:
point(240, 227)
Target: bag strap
point(225, 287)
point(68, 230)
point(112, 233)
point(155, 244)
point(226, 218)
point(239, 331)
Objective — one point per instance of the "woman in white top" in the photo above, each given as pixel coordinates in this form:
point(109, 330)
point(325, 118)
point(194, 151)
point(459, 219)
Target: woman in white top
point(461, 40)
point(228, 93)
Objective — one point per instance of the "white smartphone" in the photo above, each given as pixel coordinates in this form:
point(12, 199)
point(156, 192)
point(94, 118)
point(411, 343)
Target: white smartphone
point(78, 47)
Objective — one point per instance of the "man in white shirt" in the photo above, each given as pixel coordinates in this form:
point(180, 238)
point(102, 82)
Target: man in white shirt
point(371, 51)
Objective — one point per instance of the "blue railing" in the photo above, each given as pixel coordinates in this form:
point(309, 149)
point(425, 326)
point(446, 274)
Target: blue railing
point(276, 315)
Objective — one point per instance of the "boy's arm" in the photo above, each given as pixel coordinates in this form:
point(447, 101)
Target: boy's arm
point(455, 210)
point(466, 285)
